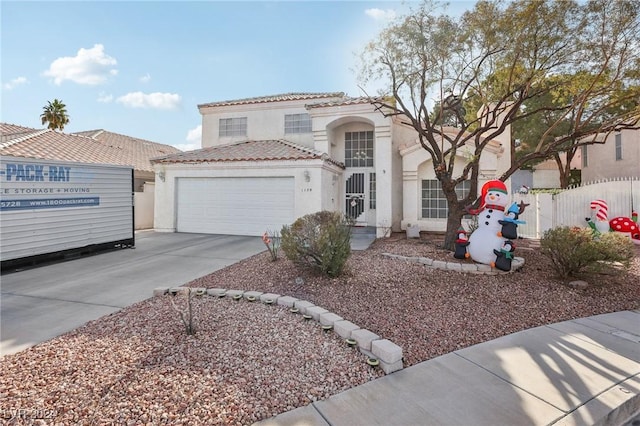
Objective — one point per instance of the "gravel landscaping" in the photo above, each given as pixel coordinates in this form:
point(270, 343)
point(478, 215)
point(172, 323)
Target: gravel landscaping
point(250, 361)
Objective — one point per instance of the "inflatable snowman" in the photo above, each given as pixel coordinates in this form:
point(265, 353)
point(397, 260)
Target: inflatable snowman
point(487, 237)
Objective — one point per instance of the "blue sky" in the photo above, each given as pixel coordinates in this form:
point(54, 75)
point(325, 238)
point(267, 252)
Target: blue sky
point(141, 68)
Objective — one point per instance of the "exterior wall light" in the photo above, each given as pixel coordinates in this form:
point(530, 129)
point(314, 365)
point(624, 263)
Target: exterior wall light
point(161, 176)
point(307, 176)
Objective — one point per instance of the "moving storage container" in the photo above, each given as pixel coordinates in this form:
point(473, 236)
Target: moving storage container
point(54, 208)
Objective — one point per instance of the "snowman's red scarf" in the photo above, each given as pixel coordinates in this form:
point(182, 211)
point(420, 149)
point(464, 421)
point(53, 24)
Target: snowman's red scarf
point(487, 206)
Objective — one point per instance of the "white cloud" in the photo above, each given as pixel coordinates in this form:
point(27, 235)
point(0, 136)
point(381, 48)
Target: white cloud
point(381, 15)
point(150, 100)
point(89, 66)
point(145, 78)
point(195, 134)
point(193, 140)
point(187, 146)
point(15, 82)
point(105, 98)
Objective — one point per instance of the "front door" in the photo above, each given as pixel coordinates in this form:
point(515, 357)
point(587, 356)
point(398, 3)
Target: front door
point(360, 196)
point(360, 177)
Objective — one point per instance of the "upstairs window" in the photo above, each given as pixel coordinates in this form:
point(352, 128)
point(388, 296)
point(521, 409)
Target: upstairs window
point(358, 149)
point(618, 146)
point(585, 159)
point(297, 123)
point(236, 126)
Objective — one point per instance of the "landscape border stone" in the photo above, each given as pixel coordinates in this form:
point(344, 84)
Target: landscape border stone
point(456, 266)
point(386, 352)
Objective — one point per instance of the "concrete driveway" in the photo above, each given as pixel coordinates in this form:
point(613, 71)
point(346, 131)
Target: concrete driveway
point(41, 303)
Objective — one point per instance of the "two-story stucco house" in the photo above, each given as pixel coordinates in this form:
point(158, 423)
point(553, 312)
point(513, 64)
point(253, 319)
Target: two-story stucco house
point(267, 161)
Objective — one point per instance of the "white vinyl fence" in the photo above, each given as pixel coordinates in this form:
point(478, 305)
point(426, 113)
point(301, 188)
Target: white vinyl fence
point(572, 206)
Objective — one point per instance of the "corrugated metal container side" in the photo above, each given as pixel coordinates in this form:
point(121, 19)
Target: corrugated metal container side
point(49, 206)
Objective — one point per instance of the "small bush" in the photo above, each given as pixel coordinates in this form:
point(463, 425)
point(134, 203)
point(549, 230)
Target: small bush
point(575, 251)
point(320, 240)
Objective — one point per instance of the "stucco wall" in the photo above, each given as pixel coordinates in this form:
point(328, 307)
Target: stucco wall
point(312, 194)
point(264, 121)
point(601, 158)
point(543, 179)
point(417, 166)
point(144, 206)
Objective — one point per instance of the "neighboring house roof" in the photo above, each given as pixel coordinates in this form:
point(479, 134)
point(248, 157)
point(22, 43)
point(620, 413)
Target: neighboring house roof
point(140, 151)
point(9, 132)
point(102, 148)
point(275, 98)
point(260, 150)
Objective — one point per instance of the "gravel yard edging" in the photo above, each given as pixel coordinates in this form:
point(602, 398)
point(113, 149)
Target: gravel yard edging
point(470, 268)
point(382, 352)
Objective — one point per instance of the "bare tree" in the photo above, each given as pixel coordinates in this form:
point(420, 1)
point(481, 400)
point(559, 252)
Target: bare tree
point(493, 59)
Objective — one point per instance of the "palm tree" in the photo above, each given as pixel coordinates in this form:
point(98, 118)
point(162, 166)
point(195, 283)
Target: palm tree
point(55, 113)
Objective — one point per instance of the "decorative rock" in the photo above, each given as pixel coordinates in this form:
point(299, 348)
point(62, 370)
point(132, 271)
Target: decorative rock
point(216, 292)
point(483, 268)
point(199, 291)
point(389, 368)
point(286, 301)
point(315, 312)
point(233, 293)
point(439, 264)
point(160, 291)
point(303, 305)
point(253, 294)
point(580, 285)
point(265, 297)
point(413, 231)
point(426, 261)
point(453, 266)
point(469, 267)
point(517, 263)
point(329, 318)
point(364, 338)
point(177, 290)
point(393, 256)
point(386, 351)
point(344, 328)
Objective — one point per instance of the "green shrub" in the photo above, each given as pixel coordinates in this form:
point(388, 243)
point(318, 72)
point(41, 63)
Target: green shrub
point(320, 240)
point(575, 251)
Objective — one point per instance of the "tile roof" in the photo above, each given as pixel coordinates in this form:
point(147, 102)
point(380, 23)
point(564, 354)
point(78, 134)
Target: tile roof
point(103, 147)
point(9, 132)
point(261, 150)
point(345, 101)
point(140, 151)
point(275, 98)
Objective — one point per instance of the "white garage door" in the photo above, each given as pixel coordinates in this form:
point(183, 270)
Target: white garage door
point(235, 206)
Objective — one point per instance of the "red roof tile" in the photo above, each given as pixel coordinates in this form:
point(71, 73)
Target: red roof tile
point(345, 101)
point(263, 150)
point(106, 148)
point(9, 132)
point(275, 98)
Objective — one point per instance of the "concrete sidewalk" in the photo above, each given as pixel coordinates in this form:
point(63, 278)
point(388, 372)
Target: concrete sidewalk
point(579, 372)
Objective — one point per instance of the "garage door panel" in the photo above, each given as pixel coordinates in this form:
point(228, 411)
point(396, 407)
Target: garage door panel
point(237, 206)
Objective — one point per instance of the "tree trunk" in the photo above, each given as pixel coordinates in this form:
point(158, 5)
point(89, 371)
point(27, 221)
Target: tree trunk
point(454, 218)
